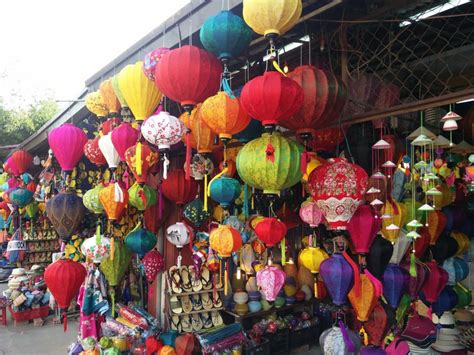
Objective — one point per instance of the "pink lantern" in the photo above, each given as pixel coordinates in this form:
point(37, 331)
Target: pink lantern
point(11, 168)
point(153, 264)
point(67, 143)
point(151, 59)
point(123, 137)
point(270, 280)
point(311, 214)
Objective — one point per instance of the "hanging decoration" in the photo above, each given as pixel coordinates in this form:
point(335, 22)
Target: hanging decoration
point(194, 212)
point(20, 197)
point(123, 137)
point(142, 196)
point(270, 231)
point(363, 228)
point(153, 263)
point(224, 190)
point(338, 276)
point(95, 104)
point(177, 189)
point(140, 241)
point(114, 199)
point(157, 214)
point(395, 279)
point(109, 98)
point(435, 282)
point(270, 280)
point(202, 137)
point(65, 212)
point(311, 214)
point(151, 60)
point(93, 152)
point(67, 143)
point(91, 199)
point(96, 248)
point(392, 220)
point(22, 160)
point(179, 234)
point(140, 158)
point(108, 150)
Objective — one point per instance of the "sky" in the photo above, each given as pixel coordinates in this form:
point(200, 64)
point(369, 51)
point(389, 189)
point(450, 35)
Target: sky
point(48, 48)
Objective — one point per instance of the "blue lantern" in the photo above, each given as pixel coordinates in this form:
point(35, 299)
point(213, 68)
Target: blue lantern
point(20, 197)
point(446, 301)
point(224, 190)
point(457, 270)
point(140, 241)
point(225, 34)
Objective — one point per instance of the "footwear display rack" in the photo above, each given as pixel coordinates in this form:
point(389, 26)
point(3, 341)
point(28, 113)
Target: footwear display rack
point(40, 245)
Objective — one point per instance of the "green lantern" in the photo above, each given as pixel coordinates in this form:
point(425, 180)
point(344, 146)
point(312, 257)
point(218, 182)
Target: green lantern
point(195, 214)
point(91, 199)
point(142, 197)
point(140, 241)
point(270, 163)
point(31, 210)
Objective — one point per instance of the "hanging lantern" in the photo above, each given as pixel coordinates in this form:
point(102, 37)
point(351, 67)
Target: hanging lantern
point(11, 168)
point(269, 20)
point(177, 189)
point(202, 137)
point(66, 212)
point(225, 240)
point(109, 125)
point(96, 248)
point(124, 111)
point(463, 242)
point(156, 215)
point(270, 231)
point(417, 277)
point(224, 115)
point(435, 282)
point(114, 199)
point(67, 143)
point(108, 150)
point(270, 163)
point(140, 158)
point(142, 196)
point(444, 248)
point(379, 255)
point(201, 167)
point(364, 301)
point(64, 278)
point(109, 98)
point(22, 160)
point(312, 162)
point(311, 214)
point(464, 296)
point(95, 104)
point(327, 139)
point(400, 248)
point(163, 130)
point(224, 190)
point(31, 210)
point(179, 234)
point(114, 268)
point(446, 301)
point(338, 276)
point(457, 269)
point(393, 222)
point(123, 137)
point(312, 257)
point(436, 222)
point(151, 59)
point(141, 95)
point(338, 188)
point(379, 323)
point(363, 228)
point(395, 279)
point(93, 152)
point(272, 89)
point(153, 263)
point(91, 199)
point(270, 280)
point(324, 99)
point(195, 214)
point(140, 241)
point(20, 197)
point(422, 242)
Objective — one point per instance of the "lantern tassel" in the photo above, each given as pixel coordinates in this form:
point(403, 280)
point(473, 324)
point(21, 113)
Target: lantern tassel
point(304, 161)
point(214, 178)
point(278, 68)
point(283, 251)
point(365, 336)
point(138, 159)
point(205, 193)
point(166, 164)
point(188, 154)
point(355, 268)
point(252, 201)
point(226, 277)
point(227, 89)
point(65, 321)
point(246, 201)
point(112, 300)
point(347, 339)
point(118, 193)
point(412, 265)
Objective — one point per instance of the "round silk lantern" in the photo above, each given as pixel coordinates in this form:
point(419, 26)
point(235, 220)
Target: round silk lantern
point(394, 281)
point(197, 72)
point(142, 197)
point(65, 211)
point(202, 137)
point(96, 248)
point(163, 130)
point(224, 190)
point(327, 139)
point(224, 115)
point(457, 270)
point(140, 93)
point(109, 125)
point(22, 160)
point(270, 280)
point(446, 301)
point(311, 214)
point(64, 278)
point(324, 99)
point(10, 167)
point(123, 137)
point(271, 90)
point(93, 152)
point(20, 197)
point(178, 189)
point(415, 283)
point(269, 20)
point(140, 241)
point(156, 215)
point(435, 282)
point(436, 222)
point(364, 301)
point(140, 158)
point(225, 240)
point(270, 231)
point(91, 199)
point(225, 34)
point(108, 150)
point(363, 228)
point(95, 103)
point(338, 188)
point(114, 199)
point(179, 234)
point(270, 163)
point(151, 59)
point(338, 276)
point(67, 143)
point(312, 257)
point(153, 263)
point(379, 255)
point(111, 101)
point(195, 214)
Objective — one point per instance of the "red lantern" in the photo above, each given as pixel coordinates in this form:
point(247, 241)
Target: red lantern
point(140, 158)
point(422, 242)
point(271, 231)
point(338, 187)
point(123, 137)
point(327, 139)
point(435, 283)
point(109, 125)
point(67, 142)
point(156, 215)
point(363, 228)
point(93, 152)
point(153, 263)
point(272, 98)
point(177, 189)
point(324, 99)
point(188, 75)
point(22, 160)
point(64, 278)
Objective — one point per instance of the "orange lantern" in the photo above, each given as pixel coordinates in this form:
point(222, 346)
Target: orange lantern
point(202, 137)
point(140, 158)
point(114, 199)
point(224, 115)
point(436, 221)
point(231, 167)
point(392, 219)
point(110, 99)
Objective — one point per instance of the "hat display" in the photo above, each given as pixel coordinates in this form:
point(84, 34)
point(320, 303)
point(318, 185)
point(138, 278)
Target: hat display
point(447, 340)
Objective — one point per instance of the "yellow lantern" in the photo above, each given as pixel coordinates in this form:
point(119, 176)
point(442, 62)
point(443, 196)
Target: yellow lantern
point(446, 197)
point(313, 162)
point(95, 104)
point(311, 258)
point(140, 93)
point(463, 242)
point(392, 219)
point(270, 17)
point(110, 99)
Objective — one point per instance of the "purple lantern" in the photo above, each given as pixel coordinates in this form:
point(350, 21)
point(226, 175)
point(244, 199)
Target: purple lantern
point(395, 280)
point(338, 277)
point(372, 350)
point(415, 283)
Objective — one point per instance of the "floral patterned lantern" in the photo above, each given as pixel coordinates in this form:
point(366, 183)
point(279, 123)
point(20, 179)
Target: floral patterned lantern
point(96, 248)
point(93, 152)
point(201, 167)
point(311, 214)
point(153, 263)
point(163, 130)
point(123, 137)
point(151, 59)
point(114, 199)
point(338, 188)
point(140, 158)
point(270, 280)
point(95, 104)
point(91, 199)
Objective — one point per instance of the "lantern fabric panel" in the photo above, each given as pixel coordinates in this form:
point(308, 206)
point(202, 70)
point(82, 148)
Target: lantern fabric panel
point(364, 302)
point(93, 152)
point(22, 160)
point(224, 190)
point(225, 240)
point(338, 276)
point(67, 143)
point(123, 137)
point(108, 150)
point(140, 241)
point(65, 211)
point(363, 228)
point(91, 199)
point(202, 137)
point(108, 96)
point(163, 130)
point(177, 189)
point(140, 158)
point(95, 103)
point(114, 199)
point(271, 231)
point(151, 59)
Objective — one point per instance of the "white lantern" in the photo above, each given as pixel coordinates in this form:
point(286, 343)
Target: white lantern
point(163, 130)
point(96, 248)
point(179, 234)
point(108, 150)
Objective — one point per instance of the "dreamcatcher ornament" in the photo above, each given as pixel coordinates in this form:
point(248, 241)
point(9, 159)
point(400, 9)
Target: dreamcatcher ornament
point(179, 234)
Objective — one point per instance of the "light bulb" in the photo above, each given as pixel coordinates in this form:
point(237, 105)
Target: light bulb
point(239, 273)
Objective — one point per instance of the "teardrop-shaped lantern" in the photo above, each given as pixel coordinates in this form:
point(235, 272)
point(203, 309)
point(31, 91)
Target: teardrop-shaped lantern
point(142, 196)
point(363, 228)
point(435, 282)
point(114, 199)
point(66, 212)
point(270, 280)
point(436, 222)
point(415, 283)
point(400, 248)
point(391, 225)
point(153, 263)
point(338, 276)
point(140, 158)
point(395, 279)
point(123, 137)
point(91, 199)
point(364, 301)
point(108, 150)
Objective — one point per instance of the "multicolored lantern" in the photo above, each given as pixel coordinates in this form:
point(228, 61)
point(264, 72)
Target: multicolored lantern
point(225, 240)
point(96, 248)
point(142, 196)
point(93, 152)
point(311, 214)
point(163, 130)
point(363, 227)
point(108, 150)
point(151, 59)
point(95, 103)
point(338, 187)
point(22, 160)
point(270, 280)
point(270, 231)
point(67, 143)
point(364, 301)
point(140, 158)
point(114, 199)
point(395, 279)
point(338, 276)
point(153, 263)
point(435, 282)
point(66, 212)
point(194, 212)
point(178, 189)
point(91, 199)
point(140, 241)
point(224, 190)
point(123, 137)
point(270, 163)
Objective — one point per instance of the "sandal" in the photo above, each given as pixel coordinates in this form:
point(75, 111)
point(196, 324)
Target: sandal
point(186, 324)
point(196, 301)
point(217, 301)
point(176, 324)
point(175, 279)
point(186, 304)
point(176, 307)
point(186, 279)
point(206, 301)
point(216, 318)
point(196, 280)
point(196, 322)
point(206, 320)
point(206, 278)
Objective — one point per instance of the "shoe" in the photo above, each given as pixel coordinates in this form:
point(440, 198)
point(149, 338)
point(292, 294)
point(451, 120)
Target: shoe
point(206, 320)
point(176, 324)
point(186, 304)
point(196, 322)
point(217, 301)
point(196, 301)
point(186, 279)
point(206, 278)
point(186, 324)
point(216, 319)
point(206, 301)
point(175, 280)
point(176, 307)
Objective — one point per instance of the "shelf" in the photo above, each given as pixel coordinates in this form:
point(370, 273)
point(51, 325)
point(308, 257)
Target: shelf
point(42, 251)
point(40, 240)
point(195, 293)
point(271, 310)
point(196, 312)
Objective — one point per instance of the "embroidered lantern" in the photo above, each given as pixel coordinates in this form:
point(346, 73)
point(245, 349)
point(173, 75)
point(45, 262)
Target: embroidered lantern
point(178, 189)
point(270, 280)
point(123, 137)
point(363, 228)
point(153, 263)
point(142, 196)
point(270, 163)
point(202, 137)
point(140, 241)
point(66, 212)
point(20, 197)
point(224, 190)
point(311, 214)
point(22, 160)
point(225, 240)
point(338, 276)
point(194, 212)
point(108, 150)
point(95, 104)
point(435, 282)
point(91, 199)
point(151, 59)
point(67, 143)
point(109, 98)
point(93, 152)
point(338, 188)
point(270, 231)
point(96, 248)
point(114, 199)
point(140, 158)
